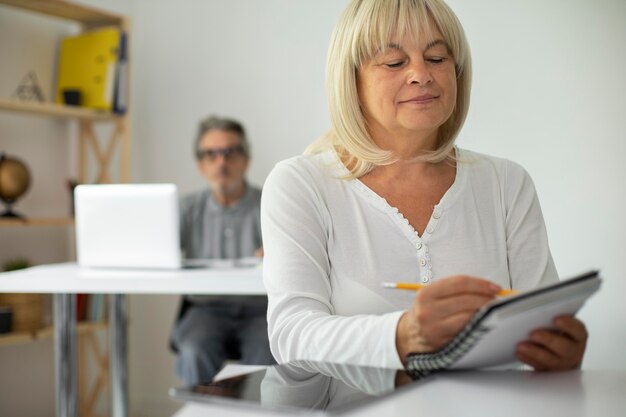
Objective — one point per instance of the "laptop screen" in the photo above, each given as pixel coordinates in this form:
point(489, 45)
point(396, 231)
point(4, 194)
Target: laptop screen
point(127, 226)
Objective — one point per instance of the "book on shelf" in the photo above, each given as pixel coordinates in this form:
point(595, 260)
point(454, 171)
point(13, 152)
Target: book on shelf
point(81, 306)
point(90, 307)
point(120, 94)
point(93, 310)
point(94, 63)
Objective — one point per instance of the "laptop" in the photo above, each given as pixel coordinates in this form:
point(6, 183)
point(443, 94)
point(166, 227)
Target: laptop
point(135, 226)
point(127, 226)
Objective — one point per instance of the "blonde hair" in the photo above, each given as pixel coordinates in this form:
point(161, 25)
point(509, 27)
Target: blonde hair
point(365, 28)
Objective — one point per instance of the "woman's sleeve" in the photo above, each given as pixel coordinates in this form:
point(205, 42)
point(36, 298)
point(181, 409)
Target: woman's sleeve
point(530, 260)
point(296, 268)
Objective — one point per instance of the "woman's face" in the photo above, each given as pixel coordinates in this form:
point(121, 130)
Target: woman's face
point(409, 90)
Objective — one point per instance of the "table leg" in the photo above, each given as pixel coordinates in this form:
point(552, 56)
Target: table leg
point(65, 355)
point(118, 322)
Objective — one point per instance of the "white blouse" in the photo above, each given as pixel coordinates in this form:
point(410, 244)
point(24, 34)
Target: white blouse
point(330, 242)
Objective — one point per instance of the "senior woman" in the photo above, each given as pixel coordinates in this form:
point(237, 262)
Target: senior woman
point(386, 195)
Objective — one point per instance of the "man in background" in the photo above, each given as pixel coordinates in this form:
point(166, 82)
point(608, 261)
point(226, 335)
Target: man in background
point(220, 222)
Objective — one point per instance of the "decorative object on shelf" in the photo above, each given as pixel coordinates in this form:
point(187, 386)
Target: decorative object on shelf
point(72, 96)
point(27, 309)
point(14, 182)
point(71, 184)
point(6, 316)
point(16, 263)
point(29, 89)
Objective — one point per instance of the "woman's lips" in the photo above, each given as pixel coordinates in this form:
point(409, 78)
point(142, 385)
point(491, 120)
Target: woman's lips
point(423, 99)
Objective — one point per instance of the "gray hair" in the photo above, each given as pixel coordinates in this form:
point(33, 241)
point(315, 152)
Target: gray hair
point(221, 123)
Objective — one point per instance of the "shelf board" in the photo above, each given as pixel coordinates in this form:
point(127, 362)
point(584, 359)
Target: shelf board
point(43, 221)
point(81, 328)
point(67, 10)
point(15, 338)
point(55, 110)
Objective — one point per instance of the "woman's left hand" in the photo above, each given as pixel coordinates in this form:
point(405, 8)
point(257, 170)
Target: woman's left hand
point(558, 349)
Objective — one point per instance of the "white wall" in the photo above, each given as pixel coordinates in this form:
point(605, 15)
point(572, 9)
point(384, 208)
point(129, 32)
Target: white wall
point(259, 61)
point(549, 93)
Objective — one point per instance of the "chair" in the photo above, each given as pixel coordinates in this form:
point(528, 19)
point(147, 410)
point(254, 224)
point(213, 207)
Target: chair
point(232, 347)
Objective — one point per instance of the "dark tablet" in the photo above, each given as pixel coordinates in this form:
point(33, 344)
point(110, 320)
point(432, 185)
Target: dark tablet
point(301, 388)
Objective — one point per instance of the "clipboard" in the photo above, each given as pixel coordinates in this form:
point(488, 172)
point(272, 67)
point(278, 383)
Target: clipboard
point(491, 336)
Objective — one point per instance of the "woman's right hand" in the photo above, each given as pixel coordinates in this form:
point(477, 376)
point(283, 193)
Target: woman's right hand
point(440, 311)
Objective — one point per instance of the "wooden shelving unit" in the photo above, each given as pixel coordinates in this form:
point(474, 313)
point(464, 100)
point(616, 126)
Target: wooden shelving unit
point(16, 338)
point(43, 221)
point(68, 10)
point(56, 110)
point(90, 147)
point(88, 142)
point(88, 346)
point(119, 140)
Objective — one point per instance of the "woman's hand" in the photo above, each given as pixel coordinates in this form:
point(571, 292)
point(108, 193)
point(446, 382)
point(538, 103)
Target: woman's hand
point(555, 350)
point(440, 311)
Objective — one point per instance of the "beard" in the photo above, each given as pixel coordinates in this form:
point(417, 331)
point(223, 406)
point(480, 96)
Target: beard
point(226, 184)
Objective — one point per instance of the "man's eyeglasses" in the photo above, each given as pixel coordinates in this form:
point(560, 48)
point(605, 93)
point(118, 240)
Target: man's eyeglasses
point(230, 153)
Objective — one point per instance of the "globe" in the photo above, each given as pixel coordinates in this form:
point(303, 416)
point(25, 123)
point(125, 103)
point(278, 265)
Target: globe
point(14, 182)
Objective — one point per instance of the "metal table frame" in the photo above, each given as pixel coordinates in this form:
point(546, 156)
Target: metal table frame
point(64, 281)
point(65, 354)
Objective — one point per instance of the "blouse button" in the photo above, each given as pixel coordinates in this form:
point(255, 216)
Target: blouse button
point(430, 230)
point(418, 245)
point(436, 215)
point(422, 262)
point(424, 279)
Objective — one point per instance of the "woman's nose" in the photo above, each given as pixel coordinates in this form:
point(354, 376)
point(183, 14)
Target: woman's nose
point(419, 73)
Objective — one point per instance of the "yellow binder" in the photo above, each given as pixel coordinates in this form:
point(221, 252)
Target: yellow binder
point(87, 62)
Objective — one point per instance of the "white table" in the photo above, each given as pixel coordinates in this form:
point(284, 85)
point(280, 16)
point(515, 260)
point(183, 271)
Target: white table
point(480, 394)
point(66, 280)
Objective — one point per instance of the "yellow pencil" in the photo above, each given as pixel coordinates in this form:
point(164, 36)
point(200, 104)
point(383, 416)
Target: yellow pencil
point(416, 287)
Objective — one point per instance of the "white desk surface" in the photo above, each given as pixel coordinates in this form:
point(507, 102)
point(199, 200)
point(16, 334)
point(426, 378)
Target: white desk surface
point(484, 394)
point(70, 278)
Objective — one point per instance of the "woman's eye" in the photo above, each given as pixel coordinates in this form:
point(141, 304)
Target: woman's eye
point(436, 60)
point(395, 64)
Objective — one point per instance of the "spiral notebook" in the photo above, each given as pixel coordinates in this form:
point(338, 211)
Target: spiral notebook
point(491, 336)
